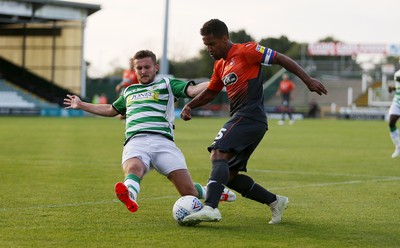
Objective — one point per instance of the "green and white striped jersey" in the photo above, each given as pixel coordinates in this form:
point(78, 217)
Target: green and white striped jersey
point(150, 107)
point(396, 98)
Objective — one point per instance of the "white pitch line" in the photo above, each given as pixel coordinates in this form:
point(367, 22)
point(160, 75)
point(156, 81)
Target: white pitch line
point(320, 185)
point(320, 173)
point(77, 204)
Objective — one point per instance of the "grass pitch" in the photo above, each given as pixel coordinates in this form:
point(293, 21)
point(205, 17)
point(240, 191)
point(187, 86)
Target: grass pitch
point(57, 177)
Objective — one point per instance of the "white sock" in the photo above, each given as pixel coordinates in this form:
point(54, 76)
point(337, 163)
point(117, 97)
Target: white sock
point(395, 137)
point(133, 185)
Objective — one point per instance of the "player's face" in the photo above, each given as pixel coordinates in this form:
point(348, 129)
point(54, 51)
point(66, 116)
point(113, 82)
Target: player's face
point(216, 46)
point(145, 70)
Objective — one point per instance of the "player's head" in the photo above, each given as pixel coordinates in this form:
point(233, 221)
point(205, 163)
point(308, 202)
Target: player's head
point(285, 76)
point(215, 36)
point(146, 67)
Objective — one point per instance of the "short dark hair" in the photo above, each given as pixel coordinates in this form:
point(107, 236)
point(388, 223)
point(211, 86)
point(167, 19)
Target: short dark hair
point(216, 27)
point(145, 54)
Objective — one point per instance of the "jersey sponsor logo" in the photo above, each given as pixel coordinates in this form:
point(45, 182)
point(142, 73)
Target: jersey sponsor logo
point(229, 79)
point(260, 49)
point(142, 96)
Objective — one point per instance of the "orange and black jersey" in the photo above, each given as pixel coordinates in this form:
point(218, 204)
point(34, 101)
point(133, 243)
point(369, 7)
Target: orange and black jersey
point(241, 74)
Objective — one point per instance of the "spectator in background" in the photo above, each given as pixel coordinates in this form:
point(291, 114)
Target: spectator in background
point(394, 114)
point(103, 99)
point(95, 99)
point(128, 78)
point(313, 109)
point(286, 90)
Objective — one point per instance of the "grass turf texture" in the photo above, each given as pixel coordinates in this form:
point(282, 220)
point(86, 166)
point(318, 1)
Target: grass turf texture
point(57, 177)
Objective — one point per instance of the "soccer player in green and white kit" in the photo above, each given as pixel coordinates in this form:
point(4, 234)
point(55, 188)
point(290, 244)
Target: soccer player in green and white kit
point(149, 135)
point(394, 114)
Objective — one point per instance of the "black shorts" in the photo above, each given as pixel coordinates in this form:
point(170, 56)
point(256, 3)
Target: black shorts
point(240, 136)
point(286, 100)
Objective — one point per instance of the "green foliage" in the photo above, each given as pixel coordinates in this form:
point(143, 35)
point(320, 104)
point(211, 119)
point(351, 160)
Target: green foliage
point(281, 44)
point(57, 177)
point(329, 39)
point(201, 66)
point(240, 37)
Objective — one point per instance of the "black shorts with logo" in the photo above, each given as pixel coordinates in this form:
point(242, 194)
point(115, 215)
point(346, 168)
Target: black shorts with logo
point(240, 136)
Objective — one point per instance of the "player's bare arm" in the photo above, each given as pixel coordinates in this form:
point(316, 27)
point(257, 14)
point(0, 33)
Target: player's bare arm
point(74, 102)
point(194, 90)
point(289, 64)
point(201, 99)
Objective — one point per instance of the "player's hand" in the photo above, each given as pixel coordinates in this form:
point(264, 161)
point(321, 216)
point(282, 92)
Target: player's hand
point(72, 102)
point(186, 113)
point(315, 85)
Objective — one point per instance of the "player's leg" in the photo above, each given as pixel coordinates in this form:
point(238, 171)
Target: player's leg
point(215, 187)
point(169, 161)
point(251, 135)
point(394, 114)
point(248, 188)
point(222, 150)
point(127, 191)
point(394, 134)
point(183, 183)
point(185, 186)
point(135, 164)
point(289, 111)
point(218, 177)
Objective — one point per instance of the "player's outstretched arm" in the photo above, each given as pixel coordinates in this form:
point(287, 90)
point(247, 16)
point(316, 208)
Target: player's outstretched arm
point(194, 90)
point(289, 64)
point(74, 102)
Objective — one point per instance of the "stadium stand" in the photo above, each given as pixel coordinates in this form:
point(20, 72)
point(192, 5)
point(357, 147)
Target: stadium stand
point(31, 82)
point(41, 54)
point(13, 96)
point(11, 99)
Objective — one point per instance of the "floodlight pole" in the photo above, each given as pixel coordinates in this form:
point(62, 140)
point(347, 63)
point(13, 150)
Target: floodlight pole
point(164, 60)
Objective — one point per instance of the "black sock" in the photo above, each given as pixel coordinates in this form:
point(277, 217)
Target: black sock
point(246, 186)
point(218, 178)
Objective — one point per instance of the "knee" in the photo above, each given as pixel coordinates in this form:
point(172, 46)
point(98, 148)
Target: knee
point(136, 169)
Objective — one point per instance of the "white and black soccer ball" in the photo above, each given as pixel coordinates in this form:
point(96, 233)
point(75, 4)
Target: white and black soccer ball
point(184, 206)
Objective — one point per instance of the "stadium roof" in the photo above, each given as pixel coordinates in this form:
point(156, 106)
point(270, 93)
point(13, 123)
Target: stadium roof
point(39, 11)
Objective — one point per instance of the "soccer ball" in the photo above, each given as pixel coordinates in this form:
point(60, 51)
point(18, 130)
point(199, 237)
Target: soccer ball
point(184, 206)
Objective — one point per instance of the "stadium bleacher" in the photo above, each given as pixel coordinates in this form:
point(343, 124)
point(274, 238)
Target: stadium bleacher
point(16, 101)
point(12, 96)
point(11, 99)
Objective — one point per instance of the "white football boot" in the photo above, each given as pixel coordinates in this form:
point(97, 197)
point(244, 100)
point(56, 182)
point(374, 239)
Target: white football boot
point(277, 208)
point(228, 195)
point(396, 152)
point(206, 214)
